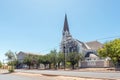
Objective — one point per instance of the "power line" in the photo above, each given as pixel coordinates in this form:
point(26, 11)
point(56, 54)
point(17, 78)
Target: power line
point(108, 37)
point(96, 39)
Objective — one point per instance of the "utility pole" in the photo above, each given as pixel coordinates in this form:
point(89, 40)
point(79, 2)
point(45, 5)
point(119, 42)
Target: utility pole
point(64, 58)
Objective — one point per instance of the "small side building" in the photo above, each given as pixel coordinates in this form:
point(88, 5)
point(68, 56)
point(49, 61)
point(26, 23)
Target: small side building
point(21, 56)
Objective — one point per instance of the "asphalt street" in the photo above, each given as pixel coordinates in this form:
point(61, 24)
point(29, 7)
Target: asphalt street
point(14, 77)
point(103, 75)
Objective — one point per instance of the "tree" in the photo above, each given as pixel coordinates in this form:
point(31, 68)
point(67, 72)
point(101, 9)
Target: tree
point(11, 60)
point(53, 58)
point(10, 56)
point(111, 49)
point(38, 60)
point(0, 64)
point(60, 58)
point(28, 60)
point(45, 60)
point(73, 58)
point(50, 59)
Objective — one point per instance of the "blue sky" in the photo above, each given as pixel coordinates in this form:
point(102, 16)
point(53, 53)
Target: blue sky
point(36, 25)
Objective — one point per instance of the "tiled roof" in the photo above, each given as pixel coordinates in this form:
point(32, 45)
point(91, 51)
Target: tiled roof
point(94, 45)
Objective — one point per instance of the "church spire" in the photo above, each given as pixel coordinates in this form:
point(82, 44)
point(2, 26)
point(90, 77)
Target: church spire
point(66, 27)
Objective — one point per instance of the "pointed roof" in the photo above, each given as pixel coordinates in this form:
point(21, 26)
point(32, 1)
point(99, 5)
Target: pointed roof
point(66, 27)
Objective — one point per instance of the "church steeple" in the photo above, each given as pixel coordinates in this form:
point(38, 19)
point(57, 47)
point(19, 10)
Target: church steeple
point(66, 32)
point(66, 27)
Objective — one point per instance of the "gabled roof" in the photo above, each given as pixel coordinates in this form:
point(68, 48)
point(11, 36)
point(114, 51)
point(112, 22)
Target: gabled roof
point(84, 45)
point(27, 53)
point(94, 45)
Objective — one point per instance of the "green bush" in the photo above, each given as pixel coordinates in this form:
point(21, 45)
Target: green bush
point(0, 64)
point(68, 64)
point(11, 69)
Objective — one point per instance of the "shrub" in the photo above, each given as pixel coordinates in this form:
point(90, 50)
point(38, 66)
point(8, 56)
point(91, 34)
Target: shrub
point(11, 69)
point(0, 64)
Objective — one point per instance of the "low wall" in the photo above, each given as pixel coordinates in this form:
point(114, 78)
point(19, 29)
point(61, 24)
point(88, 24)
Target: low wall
point(95, 64)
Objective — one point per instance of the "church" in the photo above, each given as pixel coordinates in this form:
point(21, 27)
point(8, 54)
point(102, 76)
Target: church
point(69, 44)
point(87, 49)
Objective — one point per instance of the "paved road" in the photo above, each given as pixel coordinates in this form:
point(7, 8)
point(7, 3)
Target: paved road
point(14, 77)
point(106, 75)
point(4, 75)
